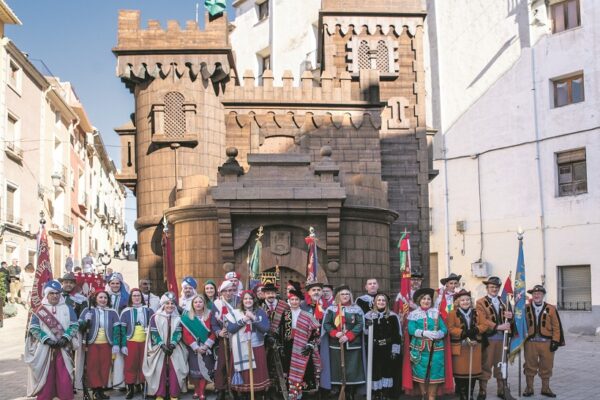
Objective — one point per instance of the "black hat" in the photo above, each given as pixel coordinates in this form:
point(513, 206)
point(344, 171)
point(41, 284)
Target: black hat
point(416, 275)
point(461, 293)
point(422, 292)
point(310, 285)
point(297, 293)
point(327, 285)
point(451, 277)
point(69, 276)
point(340, 288)
point(269, 287)
point(294, 284)
point(537, 288)
point(493, 280)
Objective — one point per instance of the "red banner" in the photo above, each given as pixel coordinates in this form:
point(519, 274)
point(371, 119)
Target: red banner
point(43, 271)
point(169, 265)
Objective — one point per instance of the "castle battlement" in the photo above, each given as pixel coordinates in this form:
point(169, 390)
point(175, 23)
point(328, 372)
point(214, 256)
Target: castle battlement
point(325, 90)
point(390, 7)
point(132, 37)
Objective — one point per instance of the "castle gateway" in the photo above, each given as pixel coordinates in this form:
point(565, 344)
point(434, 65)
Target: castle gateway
point(220, 152)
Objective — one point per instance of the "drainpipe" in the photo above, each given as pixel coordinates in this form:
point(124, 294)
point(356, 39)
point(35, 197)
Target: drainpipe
point(538, 167)
point(446, 206)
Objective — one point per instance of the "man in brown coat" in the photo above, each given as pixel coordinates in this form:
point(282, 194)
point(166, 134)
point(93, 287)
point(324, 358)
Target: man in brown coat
point(544, 337)
point(494, 314)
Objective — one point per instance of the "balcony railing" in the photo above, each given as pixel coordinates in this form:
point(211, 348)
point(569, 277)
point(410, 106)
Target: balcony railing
point(62, 171)
point(14, 151)
point(575, 305)
point(13, 219)
point(63, 223)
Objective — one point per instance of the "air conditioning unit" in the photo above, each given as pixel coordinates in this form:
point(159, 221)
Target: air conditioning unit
point(480, 269)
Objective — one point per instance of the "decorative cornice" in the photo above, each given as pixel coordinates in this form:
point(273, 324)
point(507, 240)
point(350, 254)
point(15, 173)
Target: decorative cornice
point(307, 120)
point(369, 214)
point(371, 24)
point(178, 214)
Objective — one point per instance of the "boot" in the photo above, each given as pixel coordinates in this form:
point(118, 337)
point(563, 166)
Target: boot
point(500, 391)
point(100, 395)
point(130, 391)
point(546, 391)
point(482, 390)
point(221, 395)
point(528, 392)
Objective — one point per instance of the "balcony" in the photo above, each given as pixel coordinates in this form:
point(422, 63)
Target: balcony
point(61, 170)
point(62, 225)
point(13, 220)
point(13, 151)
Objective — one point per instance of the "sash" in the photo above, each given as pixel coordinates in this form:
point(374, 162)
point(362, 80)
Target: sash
point(305, 325)
point(50, 321)
point(277, 315)
point(196, 327)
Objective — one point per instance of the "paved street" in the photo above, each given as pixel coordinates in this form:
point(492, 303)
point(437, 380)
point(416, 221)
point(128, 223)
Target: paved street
point(576, 365)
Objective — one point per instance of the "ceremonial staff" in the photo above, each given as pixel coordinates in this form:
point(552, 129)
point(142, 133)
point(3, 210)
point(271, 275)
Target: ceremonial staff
point(250, 372)
point(471, 344)
point(503, 364)
point(370, 362)
point(342, 356)
point(431, 349)
point(168, 358)
point(86, 394)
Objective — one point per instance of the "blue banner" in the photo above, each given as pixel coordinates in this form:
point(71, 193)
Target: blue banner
point(519, 310)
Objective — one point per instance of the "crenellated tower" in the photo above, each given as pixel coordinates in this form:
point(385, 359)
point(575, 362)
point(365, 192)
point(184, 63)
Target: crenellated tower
point(344, 151)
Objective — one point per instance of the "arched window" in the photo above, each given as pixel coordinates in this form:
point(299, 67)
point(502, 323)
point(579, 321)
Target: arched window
point(383, 57)
point(363, 55)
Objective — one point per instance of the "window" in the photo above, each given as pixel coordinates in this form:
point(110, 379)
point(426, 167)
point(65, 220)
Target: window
point(14, 75)
point(572, 172)
point(265, 64)
point(12, 129)
point(574, 288)
point(565, 15)
point(11, 195)
point(263, 10)
point(568, 90)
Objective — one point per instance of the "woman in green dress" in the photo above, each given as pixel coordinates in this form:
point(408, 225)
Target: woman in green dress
point(427, 330)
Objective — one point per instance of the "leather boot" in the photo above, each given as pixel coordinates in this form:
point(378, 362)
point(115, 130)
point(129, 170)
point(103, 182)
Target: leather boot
point(546, 391)
point(130, 392)
point(528, 392)
point(482, 390)
point(500, 384)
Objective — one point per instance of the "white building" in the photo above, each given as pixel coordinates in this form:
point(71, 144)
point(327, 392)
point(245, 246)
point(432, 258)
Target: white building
point(275, 35)
point(515, 100)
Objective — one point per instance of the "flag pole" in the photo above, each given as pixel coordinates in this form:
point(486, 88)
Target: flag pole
point(520, 238)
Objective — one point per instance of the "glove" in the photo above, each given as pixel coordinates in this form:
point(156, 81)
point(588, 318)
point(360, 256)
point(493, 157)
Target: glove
point(165, 348)
point(429, 334)
point(115, 349)
point(124, 351)
point(438, 335)
point(88, 316)
point(395, 356)
point(307, 349)
point(62, 342)
point(51, 343)
point(554, 346)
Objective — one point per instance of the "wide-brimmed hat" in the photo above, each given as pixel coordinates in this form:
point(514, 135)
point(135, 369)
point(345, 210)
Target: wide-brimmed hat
point(537, 288)
point(451, 277)
point(69, 276)
point(461, 293)
point(340, 288)
point(310, 285)
point(416, 275)
point(493, 280)
point(421, 292)
point(327, 285)
point(269, 287)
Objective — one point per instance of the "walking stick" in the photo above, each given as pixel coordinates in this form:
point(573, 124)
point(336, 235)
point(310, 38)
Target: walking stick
point(343, 364)
point(250, 372)
point(370, 363)
point(431, 351)
point(470, 367)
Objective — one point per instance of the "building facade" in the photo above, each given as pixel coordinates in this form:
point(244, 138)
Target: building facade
point(46, 164)
point(225, 152)
point(518, 146)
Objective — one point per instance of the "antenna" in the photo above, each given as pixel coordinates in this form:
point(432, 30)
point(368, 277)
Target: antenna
point(197, 6)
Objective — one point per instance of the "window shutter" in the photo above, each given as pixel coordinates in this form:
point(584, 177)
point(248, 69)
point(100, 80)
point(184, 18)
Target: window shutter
point(570, 156)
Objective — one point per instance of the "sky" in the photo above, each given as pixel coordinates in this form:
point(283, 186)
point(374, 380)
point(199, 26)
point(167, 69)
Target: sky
point(72, 39)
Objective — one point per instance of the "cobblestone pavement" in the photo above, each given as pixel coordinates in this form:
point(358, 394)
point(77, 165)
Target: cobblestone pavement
point(575, 369)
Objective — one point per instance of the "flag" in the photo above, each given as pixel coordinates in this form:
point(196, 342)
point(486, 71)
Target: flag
point(405, 271)
point(254, 264)
point(519, 309)
point(313, 260)
point(507, 290)
point(168, 263)
point(215, 7)
point(43, 271)
point(340, 318)
point(444, 305)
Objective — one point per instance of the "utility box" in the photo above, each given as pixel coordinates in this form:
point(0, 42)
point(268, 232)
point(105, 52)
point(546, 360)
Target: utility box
point(461, 226)
point(480, 269)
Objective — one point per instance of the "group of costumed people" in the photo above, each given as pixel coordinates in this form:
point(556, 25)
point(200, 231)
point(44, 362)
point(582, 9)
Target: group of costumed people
point(315, 341)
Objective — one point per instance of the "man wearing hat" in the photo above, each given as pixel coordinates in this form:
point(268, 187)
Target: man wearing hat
point(312, 303)
point(222, 306)
point(280, 331)
point(52, 336)
point(72, 298)
point(544, 337)
point(117, 292)
point(449, 287)
point(416, 279)
point(494, 314)
point(234, 278)
point(365, 302)
point(188, 291)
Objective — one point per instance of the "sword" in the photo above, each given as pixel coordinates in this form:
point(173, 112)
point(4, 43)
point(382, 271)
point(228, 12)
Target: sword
point(279, 370)
point(370, 363)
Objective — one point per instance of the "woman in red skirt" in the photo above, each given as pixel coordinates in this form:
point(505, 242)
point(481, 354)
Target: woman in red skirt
point(135, 320)
point(248, 323)
point(102, 337)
